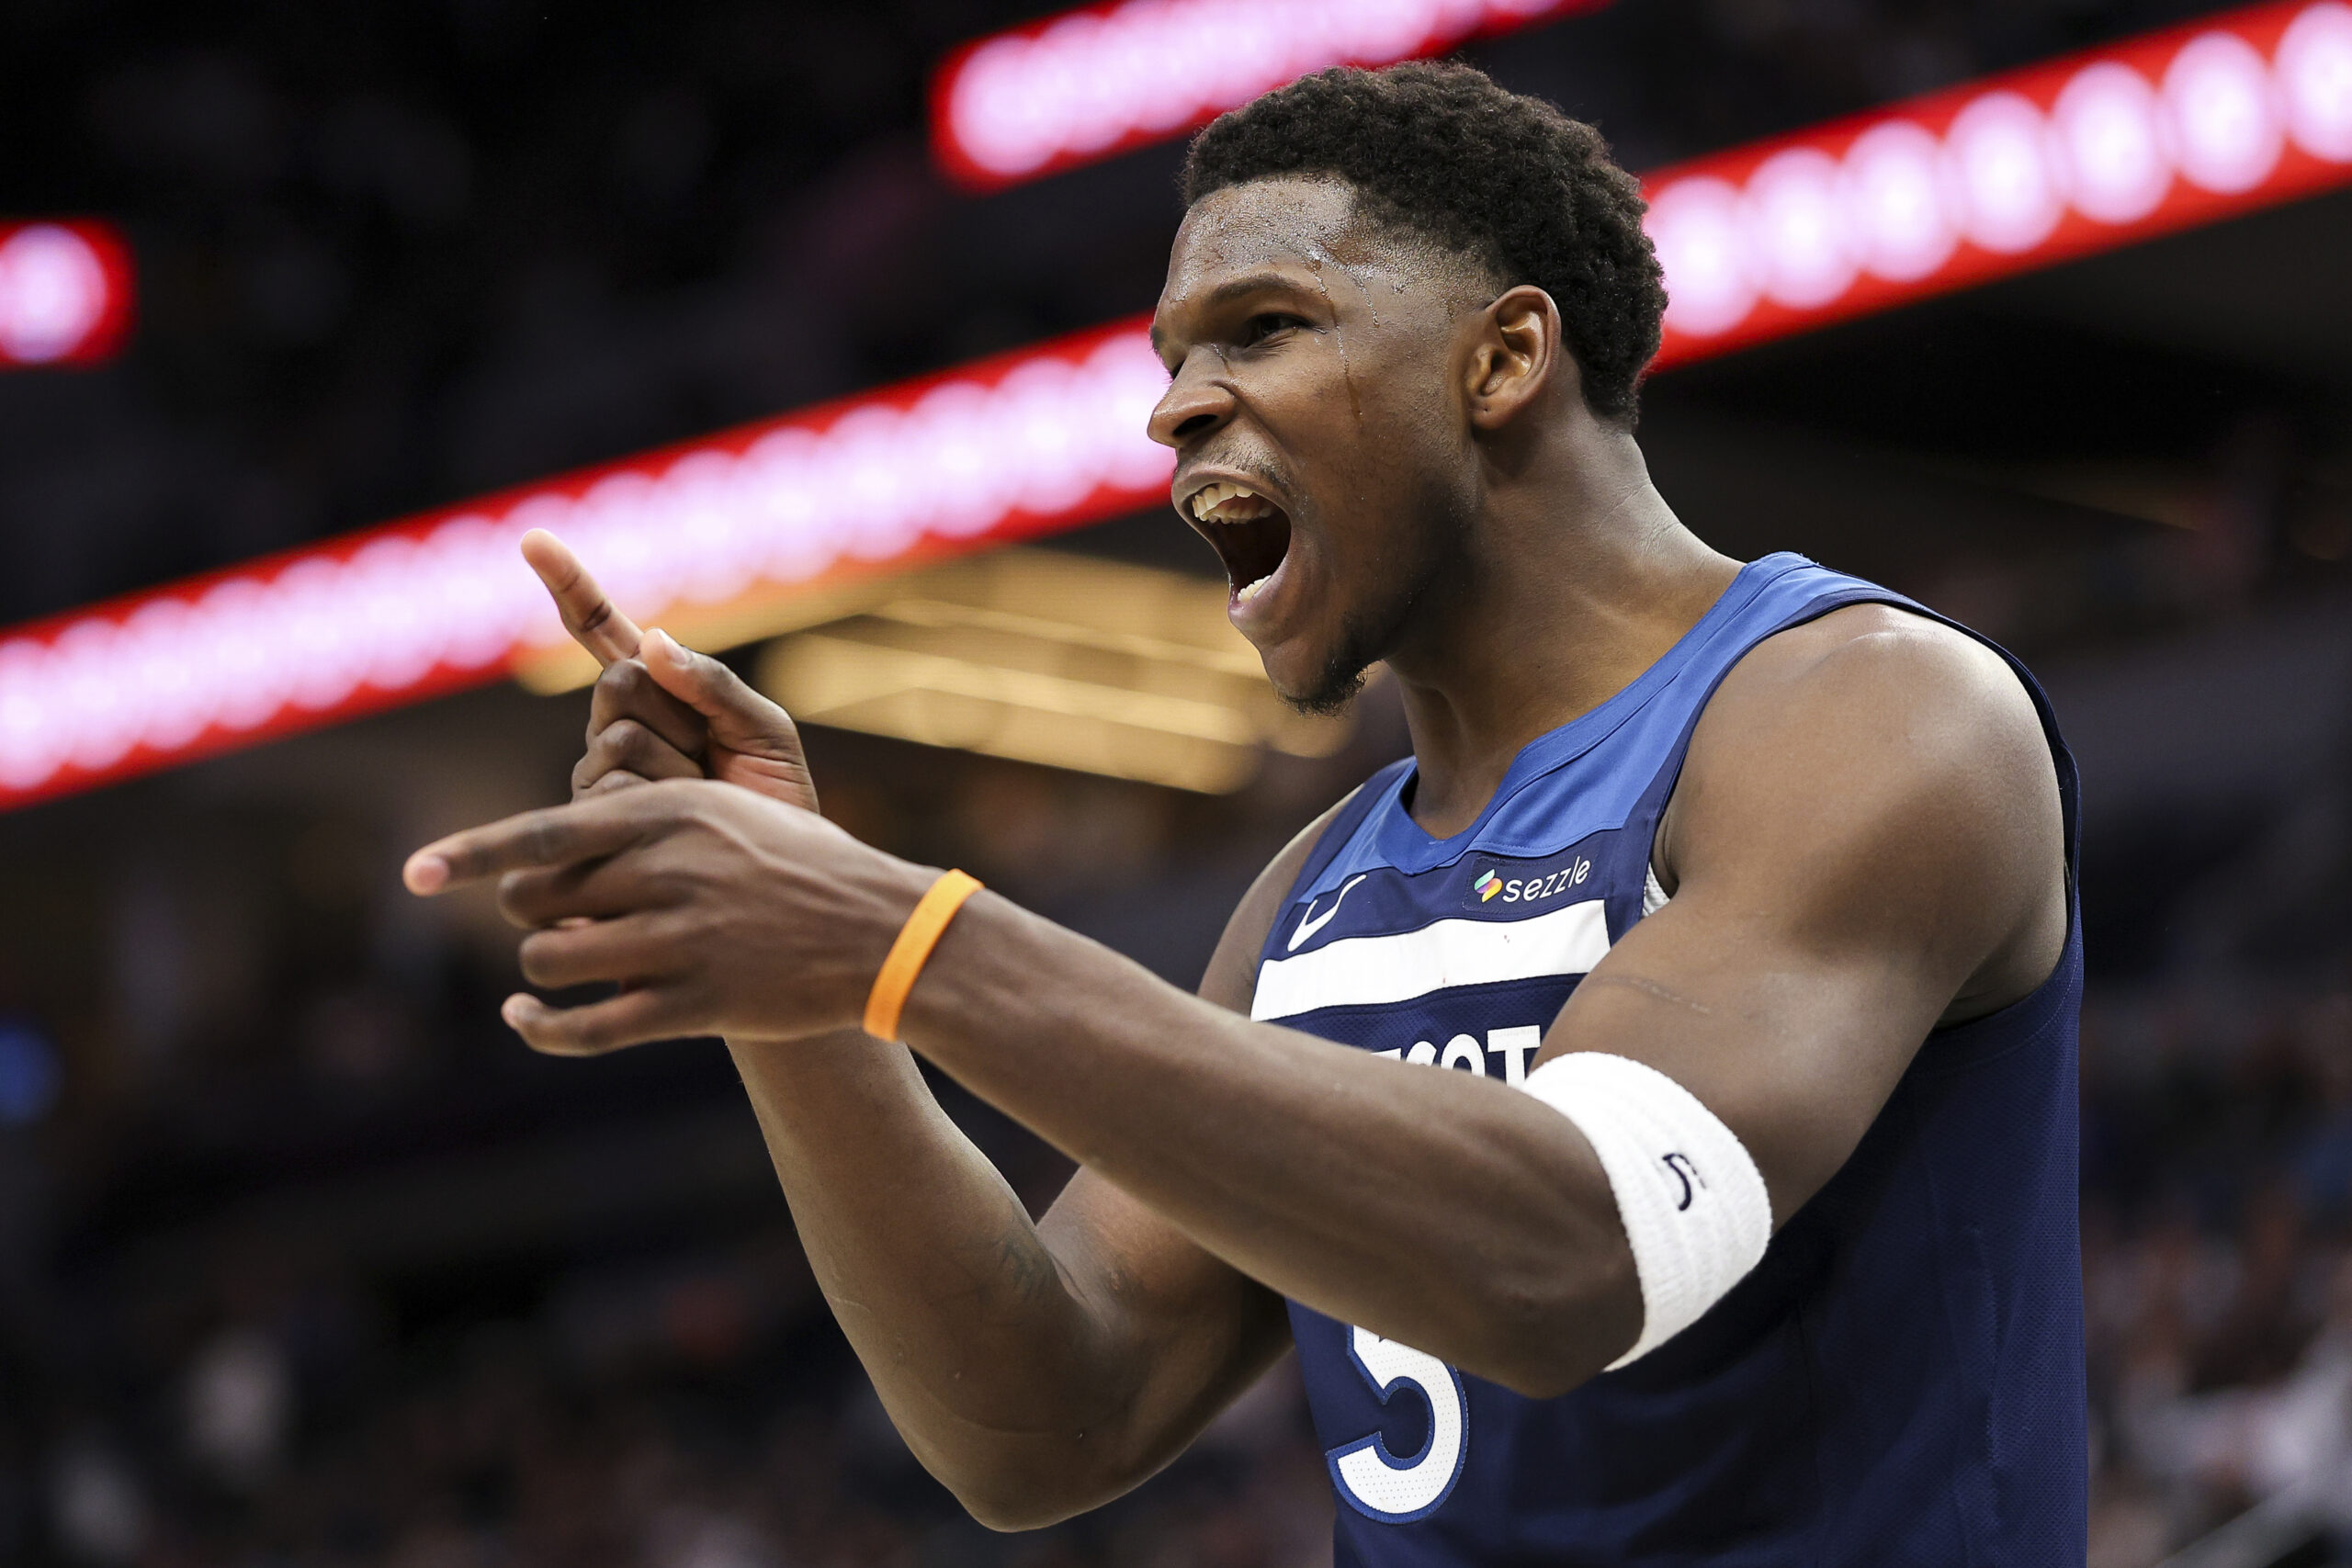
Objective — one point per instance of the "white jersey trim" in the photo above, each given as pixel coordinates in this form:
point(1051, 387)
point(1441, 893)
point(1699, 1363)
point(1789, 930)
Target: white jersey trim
point(1654, 894)
point(1377, 970)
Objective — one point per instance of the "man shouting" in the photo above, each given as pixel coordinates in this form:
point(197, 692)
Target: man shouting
point(1649, 1107)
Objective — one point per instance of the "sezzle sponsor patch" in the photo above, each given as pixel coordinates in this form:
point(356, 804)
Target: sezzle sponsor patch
point(1493, 886)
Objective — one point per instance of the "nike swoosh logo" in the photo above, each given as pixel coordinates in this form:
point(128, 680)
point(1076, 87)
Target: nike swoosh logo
point(1312, 922)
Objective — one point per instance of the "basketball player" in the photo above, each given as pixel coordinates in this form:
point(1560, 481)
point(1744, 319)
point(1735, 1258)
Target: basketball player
point(1649, 1107)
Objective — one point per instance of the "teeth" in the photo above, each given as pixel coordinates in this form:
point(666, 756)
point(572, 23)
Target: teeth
point(1224, 502)
point(1250, 591)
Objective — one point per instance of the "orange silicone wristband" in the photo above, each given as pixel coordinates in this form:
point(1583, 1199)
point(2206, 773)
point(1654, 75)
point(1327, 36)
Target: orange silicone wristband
point(913, 950)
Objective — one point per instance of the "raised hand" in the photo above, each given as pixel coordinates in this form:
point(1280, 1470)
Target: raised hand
point(715, 910)
point(661, 711)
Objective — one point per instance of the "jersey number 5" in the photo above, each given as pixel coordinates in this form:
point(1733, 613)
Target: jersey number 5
point(1375, 1481)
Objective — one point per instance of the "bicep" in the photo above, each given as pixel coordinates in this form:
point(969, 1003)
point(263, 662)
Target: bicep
point(1795, 1049)
point(1860, 830)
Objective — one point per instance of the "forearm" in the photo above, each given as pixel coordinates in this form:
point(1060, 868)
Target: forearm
point(1007, 1381)
point(1435, 1208)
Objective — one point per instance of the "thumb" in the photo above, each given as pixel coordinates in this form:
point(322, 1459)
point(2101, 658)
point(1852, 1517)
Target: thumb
point(740, 720)
point(754, 743)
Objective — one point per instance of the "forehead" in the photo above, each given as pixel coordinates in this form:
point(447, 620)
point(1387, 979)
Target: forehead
point(1261, 222)
point(1309, 233)
point(1280, 225)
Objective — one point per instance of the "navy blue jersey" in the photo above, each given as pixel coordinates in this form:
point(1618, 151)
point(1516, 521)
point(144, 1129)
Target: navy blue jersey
point(1899, 1381)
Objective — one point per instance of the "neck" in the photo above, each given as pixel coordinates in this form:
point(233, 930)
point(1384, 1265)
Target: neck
point(1576, 578)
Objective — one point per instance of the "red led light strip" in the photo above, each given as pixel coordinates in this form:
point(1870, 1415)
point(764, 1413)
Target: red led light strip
point(2185, 127)
point(1040, 440)
point(65, 292)
point(2021, 171)
point(1095, 81)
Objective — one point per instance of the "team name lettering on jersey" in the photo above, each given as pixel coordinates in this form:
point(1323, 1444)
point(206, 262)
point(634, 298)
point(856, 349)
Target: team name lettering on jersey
point(1511, 1048)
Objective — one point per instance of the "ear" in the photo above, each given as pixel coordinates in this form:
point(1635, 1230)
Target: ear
point(1516, 353)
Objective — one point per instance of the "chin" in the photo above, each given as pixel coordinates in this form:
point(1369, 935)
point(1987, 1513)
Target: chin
point(1322, 675)
point(1322, 684)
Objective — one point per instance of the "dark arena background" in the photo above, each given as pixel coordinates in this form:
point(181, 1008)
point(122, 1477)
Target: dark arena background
point(815, 328)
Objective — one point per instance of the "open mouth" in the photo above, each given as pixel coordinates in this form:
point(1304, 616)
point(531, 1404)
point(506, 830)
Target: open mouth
point(1251, 533)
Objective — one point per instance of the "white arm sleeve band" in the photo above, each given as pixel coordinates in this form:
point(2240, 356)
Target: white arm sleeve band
point(1692, 1201)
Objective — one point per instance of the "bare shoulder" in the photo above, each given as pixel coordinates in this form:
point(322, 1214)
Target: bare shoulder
point(1232, 973)
point(1878, 687)
point(1888, 755)
point(1886, 659)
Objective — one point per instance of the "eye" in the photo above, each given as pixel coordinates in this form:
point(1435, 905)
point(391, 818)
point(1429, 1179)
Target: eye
point(1266, 323)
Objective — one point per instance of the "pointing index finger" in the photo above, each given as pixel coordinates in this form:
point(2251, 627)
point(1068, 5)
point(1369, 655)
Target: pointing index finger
point(592, 619)
point(559, 835)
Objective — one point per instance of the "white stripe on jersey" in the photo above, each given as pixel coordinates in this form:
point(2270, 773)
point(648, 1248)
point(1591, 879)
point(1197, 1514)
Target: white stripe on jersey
point(1381, 969)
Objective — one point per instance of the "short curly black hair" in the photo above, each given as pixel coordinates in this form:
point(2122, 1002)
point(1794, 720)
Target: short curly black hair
point(1506, 180)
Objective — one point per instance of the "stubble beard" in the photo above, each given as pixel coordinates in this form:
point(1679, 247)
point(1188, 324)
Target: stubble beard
point(1372, 633)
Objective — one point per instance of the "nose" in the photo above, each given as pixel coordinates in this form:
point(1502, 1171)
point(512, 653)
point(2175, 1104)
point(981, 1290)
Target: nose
point(1193, 405)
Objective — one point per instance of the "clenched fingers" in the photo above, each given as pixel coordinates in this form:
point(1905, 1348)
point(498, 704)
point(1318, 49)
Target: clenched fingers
point(588, 890)
point(626, 690)
point(632, 1018)
point(634, 950)
point(619, 778)
point(628, 751)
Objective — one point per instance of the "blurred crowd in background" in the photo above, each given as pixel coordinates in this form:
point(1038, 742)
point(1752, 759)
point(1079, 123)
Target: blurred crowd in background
point(304, 1260)
point(2217, 1259)
point(335, 1271)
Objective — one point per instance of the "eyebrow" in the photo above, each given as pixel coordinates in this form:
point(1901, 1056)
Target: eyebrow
point(1233, 288)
